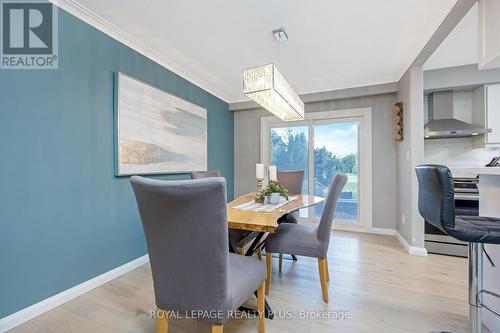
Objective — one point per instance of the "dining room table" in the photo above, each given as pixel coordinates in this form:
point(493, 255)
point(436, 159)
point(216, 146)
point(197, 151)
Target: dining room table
point(243, 213)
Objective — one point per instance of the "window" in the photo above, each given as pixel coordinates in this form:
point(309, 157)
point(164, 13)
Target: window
point(336, 150)
point(322, 145)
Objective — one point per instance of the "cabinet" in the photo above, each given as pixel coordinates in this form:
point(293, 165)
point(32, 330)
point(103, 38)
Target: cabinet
point(486, 112)
point(493, 113)
point(489, 29)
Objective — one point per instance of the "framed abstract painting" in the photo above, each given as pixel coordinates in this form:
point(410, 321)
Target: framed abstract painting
point(156, 132)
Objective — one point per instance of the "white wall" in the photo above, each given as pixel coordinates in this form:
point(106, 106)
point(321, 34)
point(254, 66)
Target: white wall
point(410, 153)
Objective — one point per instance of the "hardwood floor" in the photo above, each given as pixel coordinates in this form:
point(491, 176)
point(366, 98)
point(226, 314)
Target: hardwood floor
point(383, 288)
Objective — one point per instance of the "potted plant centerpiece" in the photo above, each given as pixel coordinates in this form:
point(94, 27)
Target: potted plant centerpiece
point(274, 191)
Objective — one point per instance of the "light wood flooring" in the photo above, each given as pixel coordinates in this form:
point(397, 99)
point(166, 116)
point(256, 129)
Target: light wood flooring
point(371, 276)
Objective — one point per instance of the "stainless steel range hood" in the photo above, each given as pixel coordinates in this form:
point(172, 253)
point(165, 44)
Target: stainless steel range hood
point(441, 123)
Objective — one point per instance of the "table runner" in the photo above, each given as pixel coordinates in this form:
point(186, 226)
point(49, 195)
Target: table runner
point(258, 207)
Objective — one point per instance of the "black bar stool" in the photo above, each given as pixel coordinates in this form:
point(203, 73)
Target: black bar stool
point(436, 204)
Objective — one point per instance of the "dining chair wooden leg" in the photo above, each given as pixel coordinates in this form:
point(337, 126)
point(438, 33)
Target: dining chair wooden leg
point(260, 308)
point(269, 265)
point(322, 277)
point(280, 264)
point(259, 252)
point(327, 271)
point(217, 328)
point(161, 321)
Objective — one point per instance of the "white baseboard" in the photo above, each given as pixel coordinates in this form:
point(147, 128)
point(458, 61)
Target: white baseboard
point(52, 302)
point(403, 241)
point(370, 230)
point(382, 231)
point(413, 250)
point(418, 251)
point(343, 227)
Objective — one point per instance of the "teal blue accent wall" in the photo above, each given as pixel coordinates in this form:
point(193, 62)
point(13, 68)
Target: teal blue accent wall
point(64, 217)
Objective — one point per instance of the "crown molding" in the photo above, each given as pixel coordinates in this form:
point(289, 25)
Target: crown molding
point(96, 21)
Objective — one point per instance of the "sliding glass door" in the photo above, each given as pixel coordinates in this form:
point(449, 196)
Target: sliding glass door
point(336, 145)
point(322, 148)
point(289, 150)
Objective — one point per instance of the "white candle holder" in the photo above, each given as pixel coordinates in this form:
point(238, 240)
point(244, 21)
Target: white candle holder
point(258, 194)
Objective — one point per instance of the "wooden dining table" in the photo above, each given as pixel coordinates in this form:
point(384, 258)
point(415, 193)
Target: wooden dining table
point(263, 223)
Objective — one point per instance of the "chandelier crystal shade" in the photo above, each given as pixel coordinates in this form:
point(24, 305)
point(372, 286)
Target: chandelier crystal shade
point(267, 87)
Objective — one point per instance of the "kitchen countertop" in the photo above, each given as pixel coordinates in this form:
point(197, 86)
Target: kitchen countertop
point(474, 171)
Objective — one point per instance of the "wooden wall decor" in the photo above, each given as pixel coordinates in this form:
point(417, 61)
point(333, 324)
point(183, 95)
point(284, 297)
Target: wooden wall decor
point(397, 121)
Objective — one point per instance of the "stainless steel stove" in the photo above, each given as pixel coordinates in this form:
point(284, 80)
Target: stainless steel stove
point(466, 203)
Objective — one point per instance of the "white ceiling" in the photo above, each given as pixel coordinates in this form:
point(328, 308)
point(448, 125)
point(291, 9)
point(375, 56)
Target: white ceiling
point(460, 47)
point(333, 44)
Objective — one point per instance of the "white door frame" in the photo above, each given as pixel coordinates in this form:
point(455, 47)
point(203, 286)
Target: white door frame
point(365, 153)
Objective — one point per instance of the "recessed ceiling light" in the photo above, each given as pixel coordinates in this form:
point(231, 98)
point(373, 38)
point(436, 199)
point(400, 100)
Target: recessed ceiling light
point(280, 35)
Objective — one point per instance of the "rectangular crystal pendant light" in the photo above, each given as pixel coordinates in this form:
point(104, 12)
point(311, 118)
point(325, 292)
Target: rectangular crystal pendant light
point(267, 87)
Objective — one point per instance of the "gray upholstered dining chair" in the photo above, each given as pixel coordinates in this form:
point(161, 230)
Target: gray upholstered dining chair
point(237, 238)
point(185, 223)
point(292, 180)
point(308, 240)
